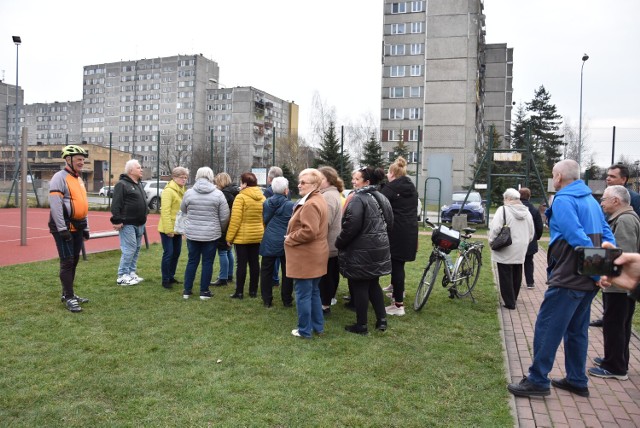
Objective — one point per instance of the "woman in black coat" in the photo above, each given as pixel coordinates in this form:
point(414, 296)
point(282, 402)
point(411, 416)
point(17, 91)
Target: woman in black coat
point(363, 246)
point(403, 239)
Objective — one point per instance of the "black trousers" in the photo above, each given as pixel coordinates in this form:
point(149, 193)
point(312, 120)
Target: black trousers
point(329, 282)
point(528, 269)
point(510, 278)
point(616, 330)
point(69, 253)
point(267, 268)
point(247, 254)
point(365, 291)
point(397, 279)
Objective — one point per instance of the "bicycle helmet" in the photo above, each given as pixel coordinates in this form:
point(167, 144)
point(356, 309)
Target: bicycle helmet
point(74, 150)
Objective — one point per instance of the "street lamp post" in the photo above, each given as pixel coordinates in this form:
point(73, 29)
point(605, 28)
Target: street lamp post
point(585, 57)
point(17, 41)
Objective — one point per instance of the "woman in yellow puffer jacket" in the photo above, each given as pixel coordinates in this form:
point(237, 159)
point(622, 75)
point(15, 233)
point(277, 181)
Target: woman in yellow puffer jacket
point(245, 232)
point(171, 241)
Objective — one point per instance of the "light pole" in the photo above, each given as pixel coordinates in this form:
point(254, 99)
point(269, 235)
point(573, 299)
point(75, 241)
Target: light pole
point(17, 41)
point(585, 57)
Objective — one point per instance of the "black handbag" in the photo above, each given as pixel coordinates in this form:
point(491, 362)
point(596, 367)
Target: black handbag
point(504, 236)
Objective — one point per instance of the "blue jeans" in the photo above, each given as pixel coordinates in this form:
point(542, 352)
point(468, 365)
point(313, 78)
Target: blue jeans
point(198, 249)
point(171, 249)
point(564, 315)
point(309, 305)
point(130, 242)
point(226, 263)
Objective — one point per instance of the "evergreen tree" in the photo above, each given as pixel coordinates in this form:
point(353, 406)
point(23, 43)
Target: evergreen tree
point(372, 155)
point(544, 122)
point(520, 136)
point(329, 154)
point(498, 184)
point(401, 149)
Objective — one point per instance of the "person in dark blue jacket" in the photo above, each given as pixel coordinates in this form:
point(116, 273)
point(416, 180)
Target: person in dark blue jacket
point(575, 219)
point(525, 195)
point(276, 213)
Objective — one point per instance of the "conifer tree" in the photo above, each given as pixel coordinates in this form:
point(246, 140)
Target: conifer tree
point(372, 155)
point(329, 154)
point(544, 124)
point(401, 149)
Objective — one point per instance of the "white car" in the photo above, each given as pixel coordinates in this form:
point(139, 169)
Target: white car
point(106, 191)
point(153, 190)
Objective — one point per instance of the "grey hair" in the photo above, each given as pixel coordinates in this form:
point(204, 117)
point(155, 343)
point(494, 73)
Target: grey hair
point(179, 171)
point(569, 169)
point(279, 185)
point(619, 192)
point(512, 194)
point(128, 167)
point(275, 171)
point(205, 172)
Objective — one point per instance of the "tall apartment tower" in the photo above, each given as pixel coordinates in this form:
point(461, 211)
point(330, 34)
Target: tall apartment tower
point(433, 87)
point(498, 102)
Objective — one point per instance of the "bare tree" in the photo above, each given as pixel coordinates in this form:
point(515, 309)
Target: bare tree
point(172, 155)
point(321, 115)
point(358, 133)
point(571, 144)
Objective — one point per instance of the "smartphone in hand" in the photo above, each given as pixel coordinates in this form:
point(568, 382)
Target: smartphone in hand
point(598, 261)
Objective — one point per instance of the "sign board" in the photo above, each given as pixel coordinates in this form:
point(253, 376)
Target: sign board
point(261, 175)
point(481, 186)
point(507, 157)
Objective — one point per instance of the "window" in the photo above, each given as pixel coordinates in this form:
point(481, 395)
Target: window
point(413, 135)
point(416, 48)
point(415, 91)
point(394, 135)
point(397, 71)
point(417, 27)
point(417, 6)
point(399, 7)
point(416, 70)
point(398, 29)
point(397, 49)
point(396, 92)
point(415, 113)
point(396, 113)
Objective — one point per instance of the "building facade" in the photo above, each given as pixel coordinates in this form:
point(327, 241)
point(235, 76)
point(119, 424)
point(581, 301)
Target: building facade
point(433, 89)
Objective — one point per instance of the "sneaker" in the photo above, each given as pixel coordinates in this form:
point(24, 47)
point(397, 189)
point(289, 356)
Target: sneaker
point(388, 288)
point(596, 323)
point(219, 283)
point(174, 281)
point(381, 324)
point(136, 278)
point(605, 374)
point(357, 329)
point(597, 361)
point(73, 305)
point(531, 286)
point(334, 301)
point(186, 294)
point(390, 295)
point(295, 332)
point(78, 298)
point(395, 310)
point(527, 389)
point(125, 280)
point(564, 384)
point(205, 295)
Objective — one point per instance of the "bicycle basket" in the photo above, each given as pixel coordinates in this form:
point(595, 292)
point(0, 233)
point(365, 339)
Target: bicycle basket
point(445, 239)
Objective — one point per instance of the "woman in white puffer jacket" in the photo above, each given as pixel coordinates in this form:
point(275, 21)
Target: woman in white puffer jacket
point(510, 259)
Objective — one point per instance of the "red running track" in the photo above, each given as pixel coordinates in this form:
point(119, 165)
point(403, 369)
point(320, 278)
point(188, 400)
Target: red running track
point(40, 245)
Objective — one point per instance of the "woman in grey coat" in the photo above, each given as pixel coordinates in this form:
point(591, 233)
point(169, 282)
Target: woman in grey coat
point(207, 216)
point(511, 258)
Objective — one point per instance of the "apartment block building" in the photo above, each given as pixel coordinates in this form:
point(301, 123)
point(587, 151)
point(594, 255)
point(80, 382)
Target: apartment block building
point(172, 106)
point(433, 88)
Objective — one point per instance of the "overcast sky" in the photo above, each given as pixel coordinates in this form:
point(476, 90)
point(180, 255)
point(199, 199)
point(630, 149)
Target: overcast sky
point(294, 49)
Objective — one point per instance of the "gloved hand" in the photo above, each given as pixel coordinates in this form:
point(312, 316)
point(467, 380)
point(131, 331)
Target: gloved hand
point(66, 235)
point(86, 235)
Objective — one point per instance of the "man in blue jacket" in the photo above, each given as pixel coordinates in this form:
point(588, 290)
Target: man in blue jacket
point(575, 219)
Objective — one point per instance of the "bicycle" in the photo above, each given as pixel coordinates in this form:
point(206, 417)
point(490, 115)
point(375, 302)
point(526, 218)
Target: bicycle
point(460, 277)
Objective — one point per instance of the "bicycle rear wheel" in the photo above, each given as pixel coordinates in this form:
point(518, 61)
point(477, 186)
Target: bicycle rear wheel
point(426, 283)
point(468, 272)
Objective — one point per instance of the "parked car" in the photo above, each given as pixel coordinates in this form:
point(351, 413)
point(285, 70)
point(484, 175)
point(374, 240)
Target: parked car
point(473, 208)
point(106, 191)
point(153, 190)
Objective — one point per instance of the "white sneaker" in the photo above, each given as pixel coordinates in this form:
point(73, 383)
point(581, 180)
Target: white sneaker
point(136, 278)
point(388, 288)
point(125, 280)
point(394, 310)
point(334, 301)
point(390, 295)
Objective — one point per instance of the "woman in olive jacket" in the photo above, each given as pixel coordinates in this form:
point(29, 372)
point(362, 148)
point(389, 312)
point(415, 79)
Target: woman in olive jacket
point(307, 252)
point(245, 231)
point(363, 246)
point(403, 239)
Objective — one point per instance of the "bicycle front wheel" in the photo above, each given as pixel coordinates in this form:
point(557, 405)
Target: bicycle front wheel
point(426, 283)
point(468, 272)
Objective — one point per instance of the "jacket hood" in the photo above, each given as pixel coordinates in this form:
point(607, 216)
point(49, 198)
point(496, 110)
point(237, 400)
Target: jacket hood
point(126, 177)
point(276, 201)
point(232, 189)
point(202, 185)
point(176, 188)
point(519, 211)
point(254, 192)
point(576, 189)
point(403, 186)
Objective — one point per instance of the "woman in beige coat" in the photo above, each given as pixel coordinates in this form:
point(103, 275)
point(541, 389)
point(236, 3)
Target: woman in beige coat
point(307, 252)
point(510, 259)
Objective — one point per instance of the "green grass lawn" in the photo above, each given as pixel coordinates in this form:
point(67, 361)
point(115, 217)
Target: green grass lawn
point(143, 356)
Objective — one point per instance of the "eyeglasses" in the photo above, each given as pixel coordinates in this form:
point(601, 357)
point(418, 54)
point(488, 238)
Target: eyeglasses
point(608, 197)
point(303, 183)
